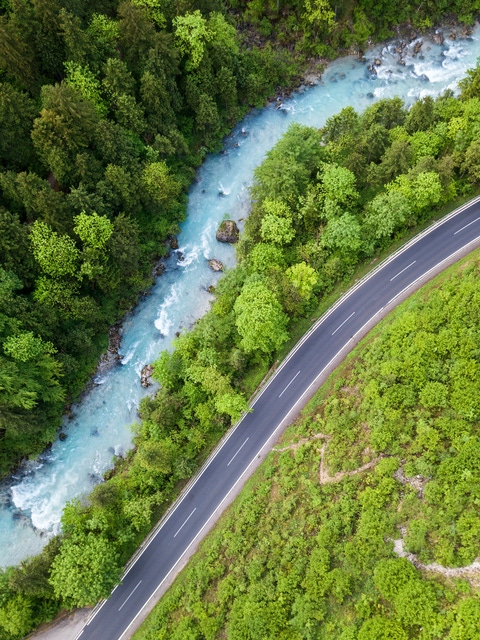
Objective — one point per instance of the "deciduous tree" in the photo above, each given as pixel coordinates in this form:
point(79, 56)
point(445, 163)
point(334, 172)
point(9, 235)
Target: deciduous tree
point(259, 318)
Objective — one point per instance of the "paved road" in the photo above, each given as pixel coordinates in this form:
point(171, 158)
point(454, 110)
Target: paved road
point(294, 383)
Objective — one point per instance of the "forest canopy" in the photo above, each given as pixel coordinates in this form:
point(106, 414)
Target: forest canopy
point(315, 218)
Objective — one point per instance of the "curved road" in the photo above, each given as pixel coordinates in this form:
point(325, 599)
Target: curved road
point(174, 540)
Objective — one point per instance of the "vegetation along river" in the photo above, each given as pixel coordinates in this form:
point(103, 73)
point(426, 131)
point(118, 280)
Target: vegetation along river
point(31, 502)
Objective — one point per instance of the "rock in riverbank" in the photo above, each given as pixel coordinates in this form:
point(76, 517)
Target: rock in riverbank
point(215, 265)
point(228, 232)
point(145, 376)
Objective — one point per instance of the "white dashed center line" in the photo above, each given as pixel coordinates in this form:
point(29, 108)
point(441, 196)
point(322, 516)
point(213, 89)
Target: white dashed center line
point(346, 320)
point(400, 272)
point(178, 530)
point(237, 451)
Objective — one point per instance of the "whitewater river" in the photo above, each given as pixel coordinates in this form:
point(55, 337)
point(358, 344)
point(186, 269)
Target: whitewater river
point(31, 502)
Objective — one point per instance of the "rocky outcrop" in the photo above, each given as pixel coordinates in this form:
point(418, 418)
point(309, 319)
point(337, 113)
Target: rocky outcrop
point(228, 232)
point(158, 269)
point(416, 49)
point(114, 338)
point(145, 375)
point(215, 265)
point(112, 356)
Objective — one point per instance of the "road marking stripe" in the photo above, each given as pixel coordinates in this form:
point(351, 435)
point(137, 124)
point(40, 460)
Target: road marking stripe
point(178, 531)
point(237, 452)
point(467, 225)
point(339, 327)
point(192, 482)
point(289, 384)
point(400, 272)
point(131, 594)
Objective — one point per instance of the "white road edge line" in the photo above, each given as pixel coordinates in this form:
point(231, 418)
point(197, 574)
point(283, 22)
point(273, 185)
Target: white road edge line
point(340, 326)
point(298, 372)
point(400, 272)
point(381, 265)
point(178, 530)
point(131, 594)
point(219, 508)
point(238, 451)
point(467, 225)
point(426, 275)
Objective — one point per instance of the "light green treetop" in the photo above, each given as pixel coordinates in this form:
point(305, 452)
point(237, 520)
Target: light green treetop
point(56, 254)
point(24, 346)
point(343, 233)
point(159, 183)
point(88, 86)
point(339, 184)
point(93, 230)
point(303, 277)
point(260, 319)
point(85, 570)
point(276, 225)
point(191, 34)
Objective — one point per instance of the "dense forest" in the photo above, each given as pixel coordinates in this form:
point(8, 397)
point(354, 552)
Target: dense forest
point(384, 461)
point(106, 108)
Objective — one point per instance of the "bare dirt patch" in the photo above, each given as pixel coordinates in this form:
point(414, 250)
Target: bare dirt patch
point(324, 476)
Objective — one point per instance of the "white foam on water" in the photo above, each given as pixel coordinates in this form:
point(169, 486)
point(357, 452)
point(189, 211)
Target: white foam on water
point(126, 359)
point(164, 322)
point(206, 241)
point(190, 256)
point(224, 191)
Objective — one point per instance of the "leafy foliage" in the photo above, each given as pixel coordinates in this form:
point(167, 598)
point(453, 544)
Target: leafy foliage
point(105, 111)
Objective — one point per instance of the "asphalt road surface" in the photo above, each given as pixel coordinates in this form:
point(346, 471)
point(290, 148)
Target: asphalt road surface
point(307, 366)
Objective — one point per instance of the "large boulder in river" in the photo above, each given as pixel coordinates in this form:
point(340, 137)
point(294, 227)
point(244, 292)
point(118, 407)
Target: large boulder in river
point(418, 45)
point(145, 376)
point(215, 265)
point(228, 232)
